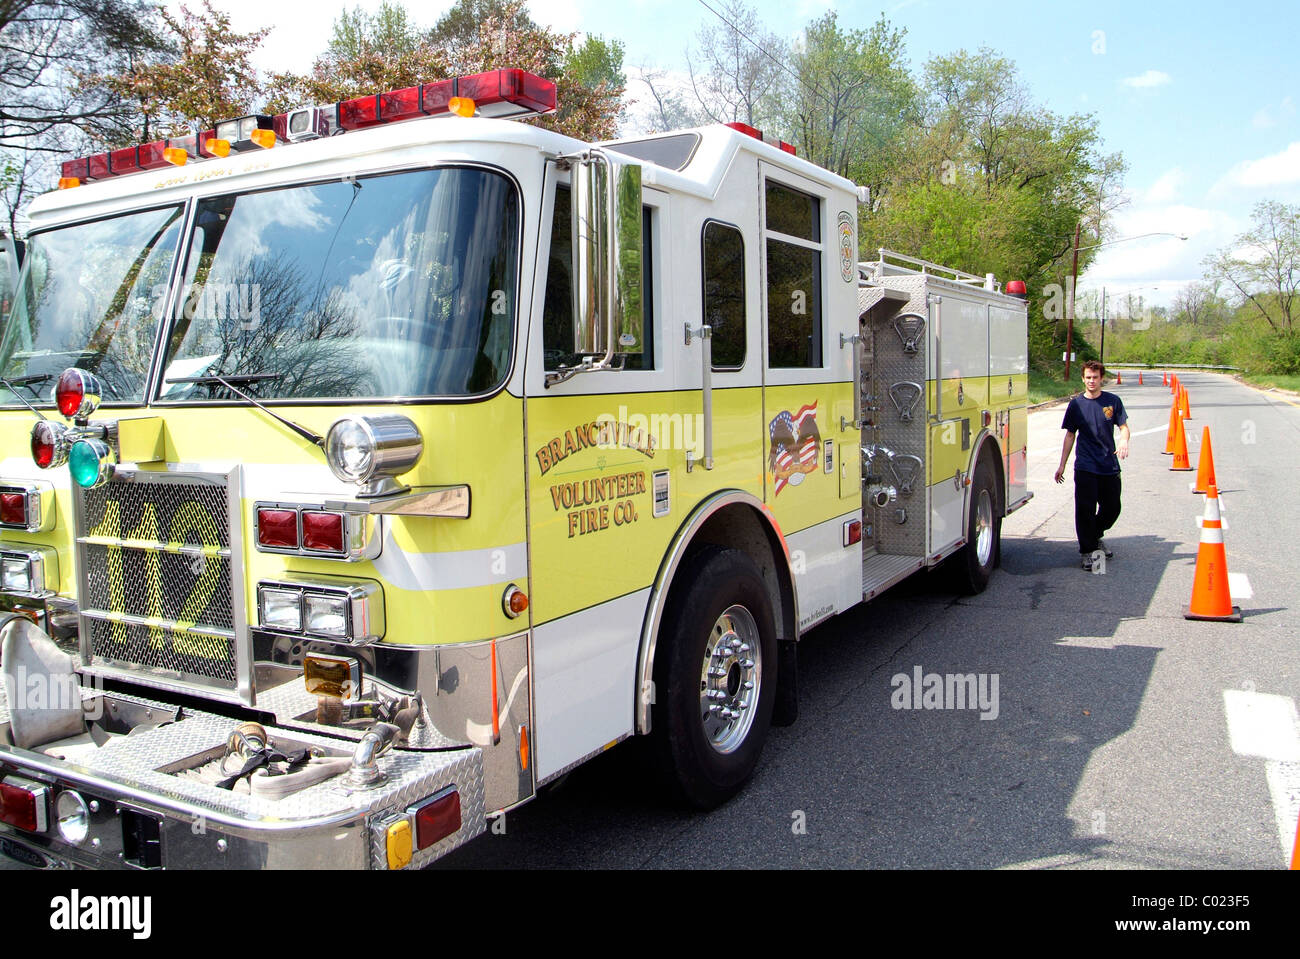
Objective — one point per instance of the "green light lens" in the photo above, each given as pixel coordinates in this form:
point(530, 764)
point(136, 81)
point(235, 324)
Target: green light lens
point(83, 462)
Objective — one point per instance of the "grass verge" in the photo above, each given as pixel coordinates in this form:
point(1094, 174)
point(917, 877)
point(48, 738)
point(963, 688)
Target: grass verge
point(1045, 387)
point(1277, 381)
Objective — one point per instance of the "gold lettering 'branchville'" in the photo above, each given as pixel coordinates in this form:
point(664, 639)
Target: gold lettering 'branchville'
point(603, 434)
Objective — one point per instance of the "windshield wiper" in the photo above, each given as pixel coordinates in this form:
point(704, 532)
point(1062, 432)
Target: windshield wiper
point(27, 381)
point(225, 381)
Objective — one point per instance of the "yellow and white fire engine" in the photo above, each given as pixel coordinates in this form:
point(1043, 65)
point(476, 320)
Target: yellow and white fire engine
point(367, 467)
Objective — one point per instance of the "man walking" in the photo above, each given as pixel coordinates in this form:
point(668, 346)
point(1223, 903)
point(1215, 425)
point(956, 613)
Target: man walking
point(1093, 416)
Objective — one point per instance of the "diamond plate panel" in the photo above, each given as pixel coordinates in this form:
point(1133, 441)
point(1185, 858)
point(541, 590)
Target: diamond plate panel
point(890, 365)
point(409, 777)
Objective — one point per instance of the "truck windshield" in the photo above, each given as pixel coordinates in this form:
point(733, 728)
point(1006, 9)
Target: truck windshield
point(90, 296)
point(383, 286)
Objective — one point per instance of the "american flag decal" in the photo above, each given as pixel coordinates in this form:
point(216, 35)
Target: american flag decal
point(795, 446)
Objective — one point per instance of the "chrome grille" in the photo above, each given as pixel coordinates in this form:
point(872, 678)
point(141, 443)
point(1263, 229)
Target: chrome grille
point(157, 591)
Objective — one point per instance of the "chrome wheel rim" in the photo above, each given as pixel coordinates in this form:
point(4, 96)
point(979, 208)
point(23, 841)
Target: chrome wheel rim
point(730, 679)
point(984, 527)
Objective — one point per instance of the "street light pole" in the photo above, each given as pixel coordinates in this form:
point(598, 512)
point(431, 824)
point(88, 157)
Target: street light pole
point(1074, 281)
point(1102, 358)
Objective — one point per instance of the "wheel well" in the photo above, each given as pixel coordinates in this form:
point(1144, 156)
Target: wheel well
point(991, 452)
point(740, 527)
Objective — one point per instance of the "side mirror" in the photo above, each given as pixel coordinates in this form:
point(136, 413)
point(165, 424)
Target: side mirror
point(606, 225)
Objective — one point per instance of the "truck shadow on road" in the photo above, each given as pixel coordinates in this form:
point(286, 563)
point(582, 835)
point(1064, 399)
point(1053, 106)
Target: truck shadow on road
point(888, 768)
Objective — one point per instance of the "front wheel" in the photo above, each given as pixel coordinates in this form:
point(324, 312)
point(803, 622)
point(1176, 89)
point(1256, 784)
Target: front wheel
point(715, 677)
point(975, 563)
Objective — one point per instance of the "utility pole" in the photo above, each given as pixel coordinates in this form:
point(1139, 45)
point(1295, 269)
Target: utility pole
point(1074, 281)
point(1103, 328)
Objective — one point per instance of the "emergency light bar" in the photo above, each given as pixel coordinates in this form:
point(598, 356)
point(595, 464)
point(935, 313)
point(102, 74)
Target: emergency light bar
point(757, 134)
point(497, 94)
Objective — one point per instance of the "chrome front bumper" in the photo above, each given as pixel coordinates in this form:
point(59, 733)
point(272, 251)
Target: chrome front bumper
point(143, 817)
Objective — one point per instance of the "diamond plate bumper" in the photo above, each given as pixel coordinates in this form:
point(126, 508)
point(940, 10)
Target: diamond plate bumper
point(143, 817)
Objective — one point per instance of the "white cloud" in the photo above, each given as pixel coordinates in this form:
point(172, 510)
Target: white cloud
point(1166, 187)
point(1279, 169)
point(1269, 116)
point(1152, 78)
point(1162, 261)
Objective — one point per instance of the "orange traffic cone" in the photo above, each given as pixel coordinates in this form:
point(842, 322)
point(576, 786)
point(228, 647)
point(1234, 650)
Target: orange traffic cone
point(1164, 381)
point(1211, 597)
point(1295, 850)
point(1181, 462)
point(1173, 427)
point(1139, 377)
point(1119, 380)
point(1186, 405)
point(1205, 466)
point(1173, 384)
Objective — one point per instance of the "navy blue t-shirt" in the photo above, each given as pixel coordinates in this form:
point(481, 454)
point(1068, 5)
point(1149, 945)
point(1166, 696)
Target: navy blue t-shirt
point(1093, 422)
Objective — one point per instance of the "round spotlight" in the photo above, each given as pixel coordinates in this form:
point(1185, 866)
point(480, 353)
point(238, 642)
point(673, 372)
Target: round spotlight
point(77, 393)
point(90, 463)
point(371, 450)
point(73, 817)
point(50, 444)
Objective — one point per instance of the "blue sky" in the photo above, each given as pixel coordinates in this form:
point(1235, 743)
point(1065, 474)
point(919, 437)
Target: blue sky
point(1201, 98)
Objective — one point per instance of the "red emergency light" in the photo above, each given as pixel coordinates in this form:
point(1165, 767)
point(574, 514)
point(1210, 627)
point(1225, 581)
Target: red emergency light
point(758, 134)
point(496, 93)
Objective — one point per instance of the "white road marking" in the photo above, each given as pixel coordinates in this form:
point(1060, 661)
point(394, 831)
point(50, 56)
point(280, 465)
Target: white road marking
point(1265, 726)
point(1239, 585)
point(1154, 429)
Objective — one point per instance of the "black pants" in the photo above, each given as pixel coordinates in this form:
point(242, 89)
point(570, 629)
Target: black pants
point(1096, 507)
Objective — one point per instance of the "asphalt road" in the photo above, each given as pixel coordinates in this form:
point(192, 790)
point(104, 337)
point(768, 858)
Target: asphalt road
point(1125, 735)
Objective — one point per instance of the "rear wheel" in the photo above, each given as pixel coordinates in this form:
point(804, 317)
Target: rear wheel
point(975, 563)
point(715, 678)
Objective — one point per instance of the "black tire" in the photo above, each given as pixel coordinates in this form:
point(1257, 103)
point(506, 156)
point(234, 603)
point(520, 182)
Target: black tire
point(705, 757)
point(974, 564)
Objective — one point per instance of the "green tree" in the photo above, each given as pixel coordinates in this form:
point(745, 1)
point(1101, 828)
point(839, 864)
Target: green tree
point(43, 43)
point(851, 99)
point(205, 76)
point(735, 66)
point(1263, 265)
point(992, 182)
point(370, 54)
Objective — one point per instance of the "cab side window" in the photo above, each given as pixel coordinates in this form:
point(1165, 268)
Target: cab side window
point(724, 293)
point(794, 277)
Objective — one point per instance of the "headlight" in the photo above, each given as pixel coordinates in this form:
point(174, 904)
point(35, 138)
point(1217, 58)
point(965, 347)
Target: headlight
point(371, 450)
point(327, 615)
point(281, 609)
point(16, 574)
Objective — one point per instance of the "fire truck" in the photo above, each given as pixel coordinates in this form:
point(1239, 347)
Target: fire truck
point(370, 466)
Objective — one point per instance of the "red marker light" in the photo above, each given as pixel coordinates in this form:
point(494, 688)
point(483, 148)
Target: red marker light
point(13, 509)
point(23, 805)
point(277, 528)
point(322, 532)
point(437, 819)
